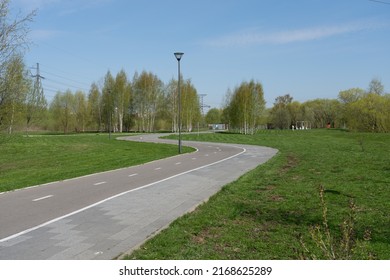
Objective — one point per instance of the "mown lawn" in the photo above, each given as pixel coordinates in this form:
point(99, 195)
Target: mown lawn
point(38, 159)
point(265, 213)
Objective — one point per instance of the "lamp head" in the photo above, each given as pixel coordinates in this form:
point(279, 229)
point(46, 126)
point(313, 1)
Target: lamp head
point(178, 55)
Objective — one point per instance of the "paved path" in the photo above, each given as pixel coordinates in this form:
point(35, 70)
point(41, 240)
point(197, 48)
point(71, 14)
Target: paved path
point(104, 215)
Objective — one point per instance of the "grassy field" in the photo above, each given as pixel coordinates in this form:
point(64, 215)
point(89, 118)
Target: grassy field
point(38, 159)
point(275, 211)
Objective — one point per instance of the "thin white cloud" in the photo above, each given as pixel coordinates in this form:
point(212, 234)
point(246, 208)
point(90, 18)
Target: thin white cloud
point(76, 6)
point(67, 6)
point(259, 37)
point(42, 34)
point(34, 4)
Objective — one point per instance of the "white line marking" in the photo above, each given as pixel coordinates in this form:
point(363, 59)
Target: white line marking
point(158, 168)
point(132, 175)
point(115, 196)
point(194, 158)
point(177, 163)
point(100, 183)
point(42, 198)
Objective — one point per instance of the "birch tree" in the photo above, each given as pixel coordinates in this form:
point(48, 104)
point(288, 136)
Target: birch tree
point(13, 34)
point(13, 92)
point(81, 111)
point(190, 106)
point(62, 109)
point(13, 41)
point(246, 106)
point(121, 95)
point(108, 105)
point(147, 93)
point(95, 107)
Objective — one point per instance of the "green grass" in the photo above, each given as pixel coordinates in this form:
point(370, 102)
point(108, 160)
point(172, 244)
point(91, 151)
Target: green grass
point(261, 215)
point(38, 159)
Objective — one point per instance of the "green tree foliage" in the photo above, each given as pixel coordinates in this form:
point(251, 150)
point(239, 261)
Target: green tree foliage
point(95, 108)
point(366, 111)
point(190, 106)
point(108, 105)
point(245, 106)
point(376, 87)
point(13, 78)
point(13, 34)
point(324, 112)
point(171, 104)
point(370, 113)
point(14, 89)
point(63, 110)
point(122, 96)
point(281, 113)
point(145, 104)
point(296, 112)
point(346, 98)
point(147, 98)
point(213, 116)
point(81, 111)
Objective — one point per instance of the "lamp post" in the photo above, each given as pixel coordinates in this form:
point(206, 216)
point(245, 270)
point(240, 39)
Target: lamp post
point(178, 56)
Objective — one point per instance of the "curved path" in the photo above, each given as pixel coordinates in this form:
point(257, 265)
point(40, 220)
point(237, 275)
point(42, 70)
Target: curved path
point(104, 215)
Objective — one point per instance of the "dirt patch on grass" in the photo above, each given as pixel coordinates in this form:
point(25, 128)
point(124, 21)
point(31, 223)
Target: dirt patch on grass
point(204, 235)
point(277, 198)
point(292, 161)
point(267, 188)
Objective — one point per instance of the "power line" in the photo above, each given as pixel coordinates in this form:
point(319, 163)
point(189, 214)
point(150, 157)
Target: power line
point(66, 84)
point(74, 55)
point(65, 73)
point(65, 78)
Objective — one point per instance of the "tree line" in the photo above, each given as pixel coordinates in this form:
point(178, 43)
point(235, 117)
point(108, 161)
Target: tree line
point(144, 104)
point(355, 109)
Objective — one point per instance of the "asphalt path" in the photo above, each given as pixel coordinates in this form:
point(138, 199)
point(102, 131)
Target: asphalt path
point(104, 215)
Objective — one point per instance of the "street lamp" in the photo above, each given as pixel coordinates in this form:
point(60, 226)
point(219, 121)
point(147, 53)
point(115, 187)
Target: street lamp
point(178, 56)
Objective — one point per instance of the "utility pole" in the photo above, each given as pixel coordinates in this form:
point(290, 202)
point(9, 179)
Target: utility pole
point(38, 77)
point(202, 105)
point(36, 100)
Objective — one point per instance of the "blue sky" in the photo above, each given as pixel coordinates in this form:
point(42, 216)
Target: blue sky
point(306, 48)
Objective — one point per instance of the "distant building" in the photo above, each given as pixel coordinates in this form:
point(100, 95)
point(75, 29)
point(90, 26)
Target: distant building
point(219, 126)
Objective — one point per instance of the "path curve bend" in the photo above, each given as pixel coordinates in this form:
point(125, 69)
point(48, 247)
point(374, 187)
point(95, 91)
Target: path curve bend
point(104, 215)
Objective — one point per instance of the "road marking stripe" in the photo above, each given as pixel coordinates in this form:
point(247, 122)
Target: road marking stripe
point(100, 183)
point(177, 163)
point(42, 198)
point(115, 196)
point(132, 175)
